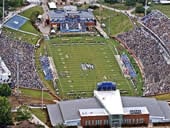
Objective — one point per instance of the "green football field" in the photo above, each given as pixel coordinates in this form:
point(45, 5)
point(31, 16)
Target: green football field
point(77, 81)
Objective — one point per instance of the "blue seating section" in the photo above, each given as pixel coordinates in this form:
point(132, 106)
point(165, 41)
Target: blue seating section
point(128, 65)
point(106, 86)
point(46, 67)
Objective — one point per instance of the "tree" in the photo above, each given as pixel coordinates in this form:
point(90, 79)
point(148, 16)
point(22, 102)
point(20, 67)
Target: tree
point(130, 2)
point(111, 1)
point(59, 126)
point(5, 112)
point(23, 113)
point(0, 12)
point(5, 90)
point(140, 9)
point(14, 3)
point(141, 1)
point(34, 16)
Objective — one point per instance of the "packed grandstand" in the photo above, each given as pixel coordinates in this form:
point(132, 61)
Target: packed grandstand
point(149, 50)
point(15, 52)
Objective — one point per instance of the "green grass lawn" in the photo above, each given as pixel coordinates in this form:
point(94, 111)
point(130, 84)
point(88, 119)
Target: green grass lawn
point(40, 113)
point(21, 36)
point(29, 12)
point(29, 28)
point(36, 93)
point(115, 22)
point(68, 58)
point(163, 97)
point(163, 8)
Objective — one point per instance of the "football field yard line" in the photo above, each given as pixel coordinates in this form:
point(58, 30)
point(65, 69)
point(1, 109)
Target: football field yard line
point(73, 55)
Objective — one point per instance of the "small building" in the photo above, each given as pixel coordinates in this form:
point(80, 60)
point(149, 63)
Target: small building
point(5, 74)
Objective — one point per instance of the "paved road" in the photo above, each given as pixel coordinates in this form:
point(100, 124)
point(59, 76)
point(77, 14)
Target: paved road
point(45, 30)
point(35, 120)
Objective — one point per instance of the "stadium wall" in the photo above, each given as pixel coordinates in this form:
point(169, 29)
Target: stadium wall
point(92, 121)
point(135, 120)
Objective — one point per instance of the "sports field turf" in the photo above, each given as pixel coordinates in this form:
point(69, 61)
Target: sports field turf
point(73, 80)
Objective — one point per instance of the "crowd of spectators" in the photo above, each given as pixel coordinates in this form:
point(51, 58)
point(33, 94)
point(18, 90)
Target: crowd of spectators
point(149, 52)
point(160, 25)
point(19, 56)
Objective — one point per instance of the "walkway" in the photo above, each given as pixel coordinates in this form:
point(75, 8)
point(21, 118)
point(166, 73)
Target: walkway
point(45, 30)
point(100, 30)
point(129, 12)
point(35, 120)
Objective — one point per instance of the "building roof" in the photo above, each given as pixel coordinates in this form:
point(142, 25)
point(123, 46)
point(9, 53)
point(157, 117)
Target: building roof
point(70, 108)
point(54, 114)
point(70, 8)
point(56, 15)
point(73, 109)
point(135, 110)
point(86, 15)
point(151, 104)
point(93, 112)
point(110, 100)
point(165, 109)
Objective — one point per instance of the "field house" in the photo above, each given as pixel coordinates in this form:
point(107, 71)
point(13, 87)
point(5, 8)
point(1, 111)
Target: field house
point(70, 19)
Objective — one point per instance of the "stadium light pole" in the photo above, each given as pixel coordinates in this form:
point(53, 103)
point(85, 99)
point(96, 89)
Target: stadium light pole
point(42, 98)
point(146, 6)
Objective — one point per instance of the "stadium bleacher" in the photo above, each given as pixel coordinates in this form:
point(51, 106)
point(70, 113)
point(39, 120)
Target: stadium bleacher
point(46, 67)
point(128, 65)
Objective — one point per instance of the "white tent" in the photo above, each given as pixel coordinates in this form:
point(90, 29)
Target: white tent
point(52, 5)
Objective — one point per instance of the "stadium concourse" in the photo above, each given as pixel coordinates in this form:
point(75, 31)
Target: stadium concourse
point(13, 53)
point(151, 52)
